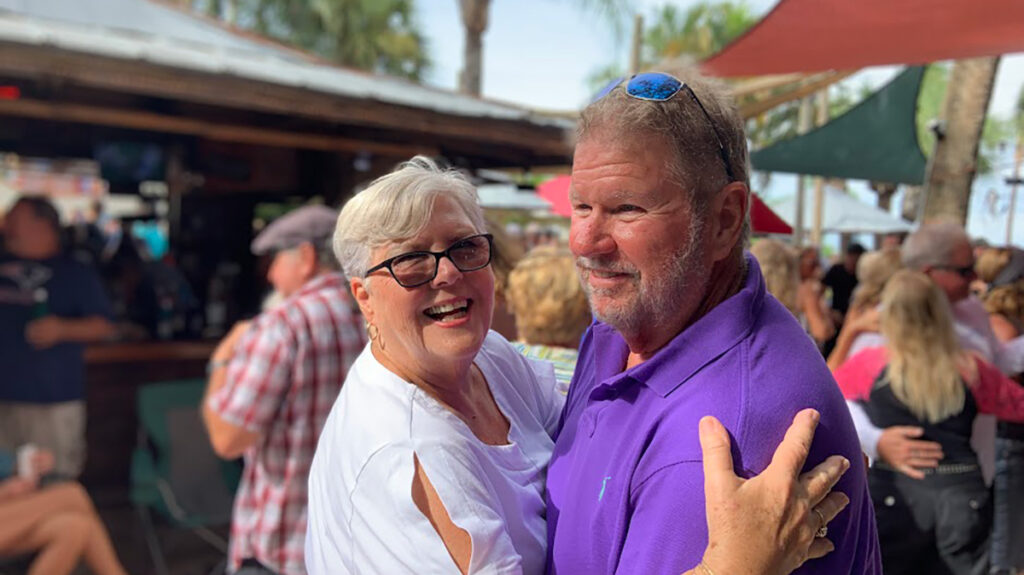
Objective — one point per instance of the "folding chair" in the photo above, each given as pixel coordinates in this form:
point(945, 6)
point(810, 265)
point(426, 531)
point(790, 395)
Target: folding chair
point(175, 473)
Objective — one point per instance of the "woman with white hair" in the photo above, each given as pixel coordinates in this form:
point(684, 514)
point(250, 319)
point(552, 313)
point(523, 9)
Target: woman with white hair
point(435, 454)
point(941, 522)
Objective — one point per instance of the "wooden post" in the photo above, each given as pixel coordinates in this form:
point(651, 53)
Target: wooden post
point(1014, 181)
point(819, 182)
point(638, 43)
point(803, 126)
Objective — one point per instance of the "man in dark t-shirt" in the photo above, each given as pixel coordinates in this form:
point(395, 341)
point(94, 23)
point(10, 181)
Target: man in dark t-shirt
point(842, 278)
point(50, 306)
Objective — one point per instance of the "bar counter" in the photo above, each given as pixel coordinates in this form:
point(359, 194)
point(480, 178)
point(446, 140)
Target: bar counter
point(113, 374)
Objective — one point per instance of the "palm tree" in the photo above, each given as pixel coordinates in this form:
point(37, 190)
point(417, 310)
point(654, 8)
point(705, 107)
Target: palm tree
point(376, 35)
point(698, 32)
point(694, 33)
point(955, 159)
point(475, 20)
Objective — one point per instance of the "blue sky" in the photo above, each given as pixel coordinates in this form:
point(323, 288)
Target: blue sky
point(538, 53)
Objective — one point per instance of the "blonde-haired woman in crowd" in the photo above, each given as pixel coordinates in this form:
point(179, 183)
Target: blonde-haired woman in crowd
point(550, 307)
point(1003, 270)
point(873, 272)
point(810, 300)
point(939, 524)
point(781, 270)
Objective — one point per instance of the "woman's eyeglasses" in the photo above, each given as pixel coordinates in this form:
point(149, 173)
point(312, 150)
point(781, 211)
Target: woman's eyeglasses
point(413, 269)
point(661, 87)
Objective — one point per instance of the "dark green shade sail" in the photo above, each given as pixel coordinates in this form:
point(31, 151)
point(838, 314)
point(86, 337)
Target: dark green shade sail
point(875, 140)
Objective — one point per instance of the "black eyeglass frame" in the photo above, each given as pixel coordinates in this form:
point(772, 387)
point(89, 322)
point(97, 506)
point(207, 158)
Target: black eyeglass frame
point(386, 264)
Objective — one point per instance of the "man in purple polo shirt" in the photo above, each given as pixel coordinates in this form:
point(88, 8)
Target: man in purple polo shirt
point(684, 328)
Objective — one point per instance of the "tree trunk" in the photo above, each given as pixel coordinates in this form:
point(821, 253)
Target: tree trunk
point(885, 191)
point(474, 19)
point(956, 154)
point(910, 210)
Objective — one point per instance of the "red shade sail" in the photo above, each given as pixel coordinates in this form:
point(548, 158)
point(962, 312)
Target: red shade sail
point(762, 219)
point(816, 35)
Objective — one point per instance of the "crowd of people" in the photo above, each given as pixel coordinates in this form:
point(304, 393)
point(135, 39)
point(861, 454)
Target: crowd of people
point(421, 397)
point(927, 354)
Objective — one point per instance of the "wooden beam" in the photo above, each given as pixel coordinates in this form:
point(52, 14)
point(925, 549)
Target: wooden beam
point(146, 121)
point(227, 90)
point(750, 86)
point(811, 86)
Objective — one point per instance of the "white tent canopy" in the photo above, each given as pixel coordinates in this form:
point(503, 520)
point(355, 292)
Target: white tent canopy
point(509, 197)
point(843, 213)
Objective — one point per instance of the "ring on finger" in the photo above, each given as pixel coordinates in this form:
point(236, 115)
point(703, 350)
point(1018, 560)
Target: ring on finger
point(823, 525)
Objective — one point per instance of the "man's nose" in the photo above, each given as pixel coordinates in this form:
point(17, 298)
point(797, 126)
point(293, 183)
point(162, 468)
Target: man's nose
point(589, 237)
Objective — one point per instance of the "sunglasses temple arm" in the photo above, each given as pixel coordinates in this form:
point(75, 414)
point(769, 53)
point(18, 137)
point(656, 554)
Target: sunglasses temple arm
point(721, 145)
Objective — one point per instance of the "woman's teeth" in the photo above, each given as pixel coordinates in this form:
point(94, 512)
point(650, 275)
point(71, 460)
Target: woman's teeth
point(448, 311)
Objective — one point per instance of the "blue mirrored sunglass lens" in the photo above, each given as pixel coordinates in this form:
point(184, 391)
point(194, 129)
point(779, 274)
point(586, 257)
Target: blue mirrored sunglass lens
point(653, 86)
point(607, 89)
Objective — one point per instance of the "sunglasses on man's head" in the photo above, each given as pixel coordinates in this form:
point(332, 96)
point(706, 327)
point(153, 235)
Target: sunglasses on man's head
point(661, 87)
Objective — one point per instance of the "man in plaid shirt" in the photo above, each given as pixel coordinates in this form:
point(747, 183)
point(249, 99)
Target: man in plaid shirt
point(272, 384)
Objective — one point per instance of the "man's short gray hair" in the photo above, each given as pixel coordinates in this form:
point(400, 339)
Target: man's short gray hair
point(679, 123)
point(932, 245)
point(396, 207)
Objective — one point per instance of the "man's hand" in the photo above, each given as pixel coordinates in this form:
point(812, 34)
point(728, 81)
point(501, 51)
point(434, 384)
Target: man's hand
point(226, 348)
point(900, 451)
point(767, 525)
point(45, 332)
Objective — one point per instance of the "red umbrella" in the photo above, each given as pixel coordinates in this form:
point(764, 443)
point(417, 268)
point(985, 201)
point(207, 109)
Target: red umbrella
point(556, 191)
point(762, 219)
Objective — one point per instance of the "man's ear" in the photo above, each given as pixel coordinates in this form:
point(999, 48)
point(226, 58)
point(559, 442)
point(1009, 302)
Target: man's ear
point(362, 297)
point(309, 260)
point(728, 214)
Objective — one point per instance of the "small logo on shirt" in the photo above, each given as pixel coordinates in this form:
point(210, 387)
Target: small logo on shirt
point(604, 484)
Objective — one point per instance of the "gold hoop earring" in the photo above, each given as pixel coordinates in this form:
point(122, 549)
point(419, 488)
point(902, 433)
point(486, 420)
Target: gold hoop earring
point(374, 333)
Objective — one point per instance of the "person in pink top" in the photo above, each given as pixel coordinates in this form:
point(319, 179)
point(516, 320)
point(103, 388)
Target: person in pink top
point(940, 521)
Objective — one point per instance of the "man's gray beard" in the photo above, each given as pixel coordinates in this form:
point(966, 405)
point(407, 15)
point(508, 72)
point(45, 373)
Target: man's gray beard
point(651, 301)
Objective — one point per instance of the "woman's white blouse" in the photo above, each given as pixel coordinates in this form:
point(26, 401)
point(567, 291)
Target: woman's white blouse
point(362, 518)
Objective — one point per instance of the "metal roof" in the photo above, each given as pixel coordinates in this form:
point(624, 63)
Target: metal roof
point(147, 31)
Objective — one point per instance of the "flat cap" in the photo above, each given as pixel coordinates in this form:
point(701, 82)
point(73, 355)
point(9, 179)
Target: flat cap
point(313, 224)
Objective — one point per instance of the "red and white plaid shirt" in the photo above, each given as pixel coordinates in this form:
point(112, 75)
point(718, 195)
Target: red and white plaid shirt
point(282, 382)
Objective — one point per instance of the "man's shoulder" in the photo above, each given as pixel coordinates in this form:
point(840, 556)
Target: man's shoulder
point(302, 312)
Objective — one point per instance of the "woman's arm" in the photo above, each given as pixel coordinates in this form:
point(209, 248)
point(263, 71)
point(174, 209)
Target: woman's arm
point(857, 323)
point(456, 539)
point(1002, 327)
point(995, 393)
point(818, 322)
